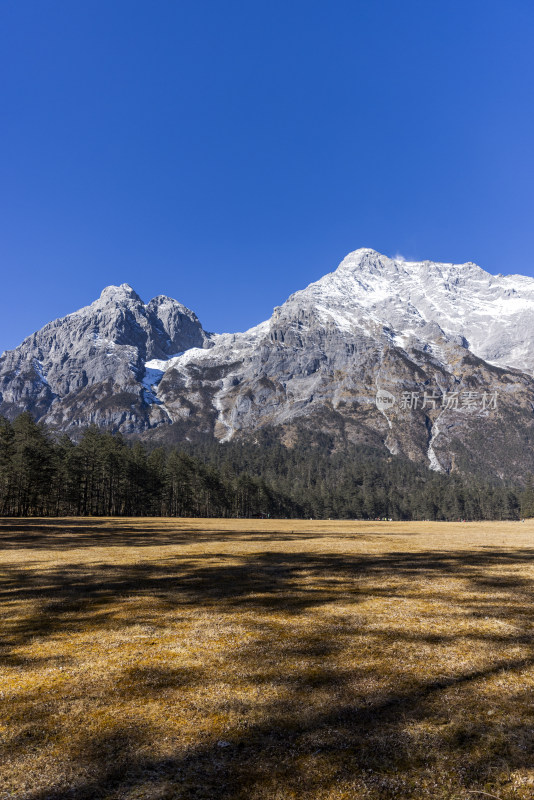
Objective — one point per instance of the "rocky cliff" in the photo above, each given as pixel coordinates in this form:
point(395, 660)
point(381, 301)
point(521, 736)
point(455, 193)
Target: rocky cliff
point(89, 366)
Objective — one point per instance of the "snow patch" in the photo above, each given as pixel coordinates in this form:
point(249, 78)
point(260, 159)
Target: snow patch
point(154, 371)
point(431, 453)
point(38, 367)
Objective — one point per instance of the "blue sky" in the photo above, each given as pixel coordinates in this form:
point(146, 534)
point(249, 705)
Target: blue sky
point(227, 154)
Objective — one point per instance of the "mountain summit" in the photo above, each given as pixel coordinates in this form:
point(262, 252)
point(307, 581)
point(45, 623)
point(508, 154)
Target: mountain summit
point(89, 366)
point(494, 314)
point(450, 345)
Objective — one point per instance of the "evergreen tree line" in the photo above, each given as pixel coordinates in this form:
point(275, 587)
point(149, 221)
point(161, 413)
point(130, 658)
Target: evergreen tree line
point(104, 475)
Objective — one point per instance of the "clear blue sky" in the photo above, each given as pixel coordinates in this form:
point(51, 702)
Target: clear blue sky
point(228, 153)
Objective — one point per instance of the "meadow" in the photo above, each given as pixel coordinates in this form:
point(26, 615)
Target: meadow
point(266, 660)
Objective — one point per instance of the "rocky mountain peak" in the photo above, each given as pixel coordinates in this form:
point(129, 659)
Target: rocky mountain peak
point(119, 294)
point(493, 313)
point(363, 257)
point(95, 358)
point(161, 300)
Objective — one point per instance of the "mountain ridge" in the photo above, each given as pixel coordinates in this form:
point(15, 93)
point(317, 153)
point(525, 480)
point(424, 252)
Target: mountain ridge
point(373, 324)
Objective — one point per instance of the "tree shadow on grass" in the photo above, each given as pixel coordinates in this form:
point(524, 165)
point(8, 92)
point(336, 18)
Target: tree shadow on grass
point(369, 747)
point(78, 596)
point(61, 534)
point(318, 734)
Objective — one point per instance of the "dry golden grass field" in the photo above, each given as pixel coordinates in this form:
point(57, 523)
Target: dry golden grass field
point(218, 659)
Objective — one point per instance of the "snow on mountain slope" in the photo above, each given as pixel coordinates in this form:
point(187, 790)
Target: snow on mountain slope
point(374, 323)
point(494, 313)
point(491, 315)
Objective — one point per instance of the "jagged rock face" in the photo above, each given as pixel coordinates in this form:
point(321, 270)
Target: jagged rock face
point(304, 368)
point(373, 324)
point(89, 366)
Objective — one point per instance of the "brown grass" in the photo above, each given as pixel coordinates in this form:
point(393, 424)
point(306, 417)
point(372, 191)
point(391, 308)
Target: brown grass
point(266, 660)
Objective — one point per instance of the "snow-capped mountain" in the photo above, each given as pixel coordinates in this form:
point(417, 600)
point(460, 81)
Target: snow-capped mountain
point(493, 313)
point(89, 366)
point(445, 341)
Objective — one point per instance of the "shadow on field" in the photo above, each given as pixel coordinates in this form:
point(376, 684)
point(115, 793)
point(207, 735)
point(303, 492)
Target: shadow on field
point(54, 534)
point(319, 733)
point(75, 596)
point(365, 746)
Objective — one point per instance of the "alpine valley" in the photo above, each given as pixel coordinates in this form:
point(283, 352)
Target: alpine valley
point(448, 348)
